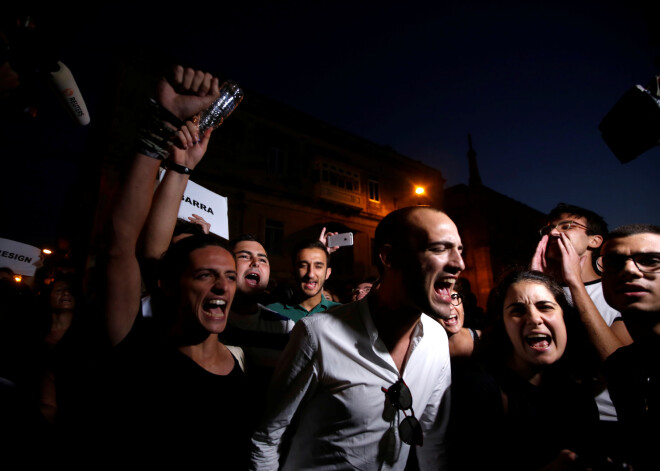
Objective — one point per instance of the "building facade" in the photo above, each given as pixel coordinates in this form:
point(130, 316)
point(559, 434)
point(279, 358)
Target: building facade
point(287, 175)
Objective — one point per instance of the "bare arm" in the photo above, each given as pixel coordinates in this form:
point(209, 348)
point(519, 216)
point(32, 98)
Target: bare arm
point(600, 334)
point(130, 210)
point(461, 344)
point(162, 218)
point(123, 281)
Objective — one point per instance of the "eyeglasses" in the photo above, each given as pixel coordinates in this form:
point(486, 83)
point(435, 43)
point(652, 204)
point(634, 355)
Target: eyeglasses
point(400, 397)
point(645, 262)
point(456, 299)
point(562, 227)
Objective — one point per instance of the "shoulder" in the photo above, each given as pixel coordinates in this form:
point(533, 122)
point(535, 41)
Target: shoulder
point(238, 354)
point(338, 319)
point(595, 290)
point(277, 307)
point(433, 330)
point(268, 314)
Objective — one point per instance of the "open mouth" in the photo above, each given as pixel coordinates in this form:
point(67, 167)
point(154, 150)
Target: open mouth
point(452, 321)
point(309, 285)
point(538, 341)
point(252, 279)
point(443, 288)
point(215, 308)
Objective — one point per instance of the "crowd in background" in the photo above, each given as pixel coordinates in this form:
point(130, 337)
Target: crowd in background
point(175, 349)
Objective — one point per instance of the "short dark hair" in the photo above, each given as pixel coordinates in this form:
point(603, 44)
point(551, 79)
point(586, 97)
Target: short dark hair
point(309, 244)
point(243, 238)
point(177, 257)
point(395, 230)
point(595, 222)
point(633, 229)
point(369, 279)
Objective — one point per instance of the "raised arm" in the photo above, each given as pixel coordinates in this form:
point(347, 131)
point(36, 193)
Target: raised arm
point(162, 218)
point(323, 237)
point(602, 336)
point(133, 202)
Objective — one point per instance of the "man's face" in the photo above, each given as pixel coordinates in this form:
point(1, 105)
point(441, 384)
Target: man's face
point(311, 271)
point(252, 267)
point(626, 288)
point(432, 262)
point(578, 236)
point(207, 287)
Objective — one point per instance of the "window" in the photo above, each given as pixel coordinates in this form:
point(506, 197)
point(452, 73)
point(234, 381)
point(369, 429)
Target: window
point(276, 162)
point(338, 176)
point(374, 191)
point(274, 239)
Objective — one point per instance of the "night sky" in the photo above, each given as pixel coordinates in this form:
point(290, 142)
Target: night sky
point(530, 81)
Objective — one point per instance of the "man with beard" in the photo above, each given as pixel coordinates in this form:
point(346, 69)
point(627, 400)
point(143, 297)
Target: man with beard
point(311, 269)
point(631, 282)
point(347, 386)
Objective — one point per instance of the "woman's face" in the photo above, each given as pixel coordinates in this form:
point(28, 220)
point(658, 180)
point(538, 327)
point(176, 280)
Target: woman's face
point(61, 296)
point(534, 322)
point(456, 318)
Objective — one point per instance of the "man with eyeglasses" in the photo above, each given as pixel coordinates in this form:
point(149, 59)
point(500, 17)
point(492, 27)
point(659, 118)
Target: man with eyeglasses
point(359, 386)
point(568, 249)
point(630, 263)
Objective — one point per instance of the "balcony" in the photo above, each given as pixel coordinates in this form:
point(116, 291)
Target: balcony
point(337, 196)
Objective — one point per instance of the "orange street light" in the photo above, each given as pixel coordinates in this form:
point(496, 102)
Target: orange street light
point(419, 190)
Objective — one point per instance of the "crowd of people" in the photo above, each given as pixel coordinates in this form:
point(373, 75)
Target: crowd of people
point(180, 355)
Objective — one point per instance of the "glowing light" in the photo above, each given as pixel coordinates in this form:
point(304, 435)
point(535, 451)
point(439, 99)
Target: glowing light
point(47, 251)
point(420, 190)
point(18, 278)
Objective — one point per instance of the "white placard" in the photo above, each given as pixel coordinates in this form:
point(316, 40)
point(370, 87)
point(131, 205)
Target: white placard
point(21, 258)
point(203, 202)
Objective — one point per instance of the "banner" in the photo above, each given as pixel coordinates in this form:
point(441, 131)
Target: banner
point(21, 258)
point(208, 205)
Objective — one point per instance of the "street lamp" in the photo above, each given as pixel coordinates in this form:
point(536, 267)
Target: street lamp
point(420, 193)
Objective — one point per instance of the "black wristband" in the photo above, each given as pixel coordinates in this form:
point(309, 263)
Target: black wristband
point(179, 168)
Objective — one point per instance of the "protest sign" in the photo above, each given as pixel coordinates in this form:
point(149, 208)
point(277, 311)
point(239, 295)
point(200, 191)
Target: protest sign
point(21, 258)
point(205, 203)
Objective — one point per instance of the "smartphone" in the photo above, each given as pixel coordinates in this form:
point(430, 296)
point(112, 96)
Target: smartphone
point(340, 240)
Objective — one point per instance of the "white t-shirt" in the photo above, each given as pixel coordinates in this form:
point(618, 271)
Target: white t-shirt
point(595, 289)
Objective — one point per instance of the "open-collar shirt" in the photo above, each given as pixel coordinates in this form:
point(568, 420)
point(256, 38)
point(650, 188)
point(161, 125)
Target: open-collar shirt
point(328, 389)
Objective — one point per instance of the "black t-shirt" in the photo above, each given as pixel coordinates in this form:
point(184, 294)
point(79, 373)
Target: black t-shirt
point(500, 420)
point(162, 407)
